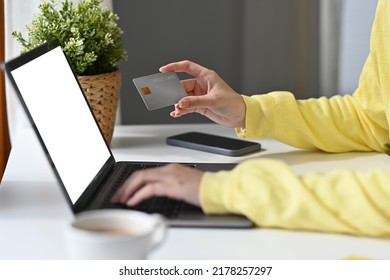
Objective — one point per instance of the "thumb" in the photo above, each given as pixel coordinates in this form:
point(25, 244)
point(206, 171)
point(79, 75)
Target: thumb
point(194, 102)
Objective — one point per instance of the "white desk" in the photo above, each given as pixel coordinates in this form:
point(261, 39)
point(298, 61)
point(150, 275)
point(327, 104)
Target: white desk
point(33, 210)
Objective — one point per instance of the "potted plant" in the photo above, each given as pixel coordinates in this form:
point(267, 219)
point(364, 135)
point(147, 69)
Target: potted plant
point(91, 40)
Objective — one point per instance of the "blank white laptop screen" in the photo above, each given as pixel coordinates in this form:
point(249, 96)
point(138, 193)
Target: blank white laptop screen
point(63, 119)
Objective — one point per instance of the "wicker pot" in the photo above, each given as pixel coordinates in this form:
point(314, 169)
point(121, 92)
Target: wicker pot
point(102, 92)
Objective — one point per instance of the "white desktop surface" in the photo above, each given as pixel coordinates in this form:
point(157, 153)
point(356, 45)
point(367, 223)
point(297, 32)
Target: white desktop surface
point(34, 212)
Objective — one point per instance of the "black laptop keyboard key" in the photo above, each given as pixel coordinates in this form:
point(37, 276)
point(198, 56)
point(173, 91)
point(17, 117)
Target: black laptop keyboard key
point(165, 206)
point(162, 205)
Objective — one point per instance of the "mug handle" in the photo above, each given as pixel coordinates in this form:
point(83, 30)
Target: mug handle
point(159, 232)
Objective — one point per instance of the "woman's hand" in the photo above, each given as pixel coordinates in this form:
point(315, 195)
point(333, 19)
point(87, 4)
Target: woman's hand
point(172, 180)
point(208, 95)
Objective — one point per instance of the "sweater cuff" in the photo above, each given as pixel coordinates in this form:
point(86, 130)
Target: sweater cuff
point(257, 122)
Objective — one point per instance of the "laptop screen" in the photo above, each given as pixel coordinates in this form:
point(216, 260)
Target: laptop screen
point(63, 119)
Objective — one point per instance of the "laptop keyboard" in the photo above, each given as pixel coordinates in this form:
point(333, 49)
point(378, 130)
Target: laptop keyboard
point(163, 205)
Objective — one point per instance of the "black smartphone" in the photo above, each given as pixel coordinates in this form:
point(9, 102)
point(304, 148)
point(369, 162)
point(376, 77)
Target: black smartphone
point(214, 144)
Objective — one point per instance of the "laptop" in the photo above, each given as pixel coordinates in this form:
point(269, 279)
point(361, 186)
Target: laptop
point(75, 147)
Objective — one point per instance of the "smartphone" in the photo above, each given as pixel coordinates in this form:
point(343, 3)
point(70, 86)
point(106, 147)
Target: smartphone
point(214, 144)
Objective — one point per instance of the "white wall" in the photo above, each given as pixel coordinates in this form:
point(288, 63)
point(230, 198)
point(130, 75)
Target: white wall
point(356, 20)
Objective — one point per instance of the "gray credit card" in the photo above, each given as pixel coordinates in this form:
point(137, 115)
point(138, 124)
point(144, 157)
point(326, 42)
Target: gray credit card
point(160, 90)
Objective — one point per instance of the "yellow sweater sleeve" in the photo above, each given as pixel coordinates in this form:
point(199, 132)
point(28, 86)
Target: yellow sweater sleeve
point(338, 124)
point(269, 193)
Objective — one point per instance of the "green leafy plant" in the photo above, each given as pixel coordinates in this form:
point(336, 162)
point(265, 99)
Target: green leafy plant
point(87, 32)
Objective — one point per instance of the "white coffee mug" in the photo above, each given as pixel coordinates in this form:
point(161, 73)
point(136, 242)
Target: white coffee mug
point(114, 234)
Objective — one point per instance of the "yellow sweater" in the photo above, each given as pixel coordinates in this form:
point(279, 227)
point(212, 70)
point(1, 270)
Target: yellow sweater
point(270, 194)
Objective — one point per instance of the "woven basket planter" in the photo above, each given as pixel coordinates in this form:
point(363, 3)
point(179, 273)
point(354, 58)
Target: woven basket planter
point(102, 92)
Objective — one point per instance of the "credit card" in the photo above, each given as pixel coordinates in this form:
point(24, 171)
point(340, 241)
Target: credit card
point(160, 90)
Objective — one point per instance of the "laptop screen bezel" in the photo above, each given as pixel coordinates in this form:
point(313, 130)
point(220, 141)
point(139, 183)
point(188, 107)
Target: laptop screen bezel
point(108, 165)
